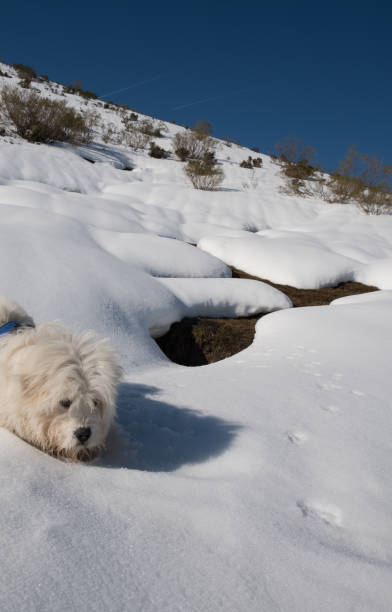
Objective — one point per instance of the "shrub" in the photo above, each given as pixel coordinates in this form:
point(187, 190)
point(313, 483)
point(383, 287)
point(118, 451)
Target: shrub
point(182, 153)
point(203, 174)
point(292, 150)
point(133, 117)
point(301, 171)
point(39, 119)
point(25, 71)
point(250, 163)
point(152, 129)
point(247, 163)
point(25, 83)
point(77, 90)
point(362, 179)
point(156, 151)
point(110, 134)
point(134, 138)
point(188, 145)
point(202, 127)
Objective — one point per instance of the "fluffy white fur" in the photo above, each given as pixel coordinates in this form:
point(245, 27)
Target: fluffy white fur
point(45, 368)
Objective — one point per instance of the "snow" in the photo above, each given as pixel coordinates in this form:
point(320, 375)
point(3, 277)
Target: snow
point(261, 482)
point(299, 262)
point(208, 297)
point(374, 296)
point(160, 256)
point(378, 273)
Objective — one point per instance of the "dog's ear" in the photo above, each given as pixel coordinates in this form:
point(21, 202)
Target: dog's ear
point(32, 386)
point(22, 369)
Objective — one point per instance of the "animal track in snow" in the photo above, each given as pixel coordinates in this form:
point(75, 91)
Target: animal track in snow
point(332, 408)
point(297, 437)
point(330, 386)
point(358, 392)
point(324, 511)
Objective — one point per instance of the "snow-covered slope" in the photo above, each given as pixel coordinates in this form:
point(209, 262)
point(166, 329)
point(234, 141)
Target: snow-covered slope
point(258, 483)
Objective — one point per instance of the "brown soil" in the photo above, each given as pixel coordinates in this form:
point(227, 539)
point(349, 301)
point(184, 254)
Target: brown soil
point(312, 297)
point(202, 340)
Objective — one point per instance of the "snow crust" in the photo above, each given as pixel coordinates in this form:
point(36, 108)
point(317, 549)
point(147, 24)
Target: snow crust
point(378, 273)
point(208, 297)
point(261, 482)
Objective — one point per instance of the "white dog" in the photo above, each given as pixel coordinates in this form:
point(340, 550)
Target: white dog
point(57, 390)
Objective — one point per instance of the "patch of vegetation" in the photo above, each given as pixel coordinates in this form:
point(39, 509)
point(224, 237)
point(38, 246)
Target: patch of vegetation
point(362, 179)
point(39, 119)
point(134, 138)
point(201, 340)
point(77, 90)
point(204, 173)
point(150, 128)
point(189, 145)
point(25, 72)
point(157, 151)
point(252, 162)
point(202, 128)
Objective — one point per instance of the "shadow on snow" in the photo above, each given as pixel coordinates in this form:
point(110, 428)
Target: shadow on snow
point(154, 436)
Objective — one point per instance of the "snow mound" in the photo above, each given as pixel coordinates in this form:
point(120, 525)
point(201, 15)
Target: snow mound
point(300, 262)
point(207, 297)
point(160, 256)
point(377, 273)
point(373, 296)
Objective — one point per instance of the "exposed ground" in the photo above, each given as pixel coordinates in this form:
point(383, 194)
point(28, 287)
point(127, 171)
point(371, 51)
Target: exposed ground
point(202, 340)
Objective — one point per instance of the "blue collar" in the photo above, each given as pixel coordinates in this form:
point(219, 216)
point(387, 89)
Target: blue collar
point(8, 327)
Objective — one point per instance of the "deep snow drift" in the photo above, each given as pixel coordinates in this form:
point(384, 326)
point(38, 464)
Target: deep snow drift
point(261, 482)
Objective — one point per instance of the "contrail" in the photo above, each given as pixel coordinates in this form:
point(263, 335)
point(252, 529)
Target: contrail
point(211, 99)
point(133, 85)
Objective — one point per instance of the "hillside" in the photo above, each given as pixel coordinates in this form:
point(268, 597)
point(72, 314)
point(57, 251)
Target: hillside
point(261, 482)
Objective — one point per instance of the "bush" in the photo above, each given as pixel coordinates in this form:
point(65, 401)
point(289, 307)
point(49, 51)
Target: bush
point(293, 151)
point(25, 72)
point(202, 128)
point(25, 83)
point(204, 173)
point(364, 180)
point(134, 138)
point(250, 163)
point(77, 90)
point(39, 119)
point(110, 134)
point(188, 145)
point(247, 163)
point(301, 171)
point(152, 129)
point(156, 151)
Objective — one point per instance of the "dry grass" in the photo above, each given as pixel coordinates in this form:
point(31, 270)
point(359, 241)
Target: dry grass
point(202, 340)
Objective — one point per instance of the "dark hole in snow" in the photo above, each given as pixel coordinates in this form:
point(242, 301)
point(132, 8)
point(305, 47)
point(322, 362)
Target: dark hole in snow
point(202, 340)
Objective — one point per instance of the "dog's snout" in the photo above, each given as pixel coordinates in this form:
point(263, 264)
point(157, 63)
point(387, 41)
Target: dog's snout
point(82, 434)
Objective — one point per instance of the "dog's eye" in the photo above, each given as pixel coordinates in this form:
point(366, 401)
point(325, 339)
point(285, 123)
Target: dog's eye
point(96, 403)
point(65, 403)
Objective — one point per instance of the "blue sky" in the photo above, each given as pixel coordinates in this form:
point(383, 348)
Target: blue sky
point(258, 71)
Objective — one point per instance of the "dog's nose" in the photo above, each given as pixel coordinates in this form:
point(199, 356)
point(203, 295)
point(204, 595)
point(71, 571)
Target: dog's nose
point(82, 434)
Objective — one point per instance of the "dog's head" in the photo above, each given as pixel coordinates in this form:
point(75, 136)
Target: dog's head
point(63, 388)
